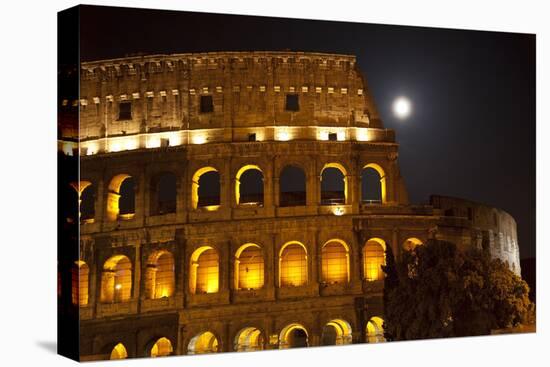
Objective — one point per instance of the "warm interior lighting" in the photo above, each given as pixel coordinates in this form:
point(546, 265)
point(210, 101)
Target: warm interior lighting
point(113, 199)
point(249, 267)
point(375, 331)
point(160, 279)
point(205, 269)
point(338, 211)
point(293, 336)
point(293, 265)
point(119, 352)
point(248, 340)
point(373, 259)
point(203, 343)
point(336, 332)
point(411, 243)
point(162, 348)
point(116, 280)
point(80, 279)
point(335, 262)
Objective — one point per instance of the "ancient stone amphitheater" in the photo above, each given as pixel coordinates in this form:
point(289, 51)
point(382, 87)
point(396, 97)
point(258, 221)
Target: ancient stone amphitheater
point(238, 201)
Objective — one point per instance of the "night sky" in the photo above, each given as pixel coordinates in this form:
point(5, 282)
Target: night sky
point(472, 130)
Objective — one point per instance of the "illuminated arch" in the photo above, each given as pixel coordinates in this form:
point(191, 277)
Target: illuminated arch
point(336, 332)
point(249, 267)
point(249, 339)
point(116, 279)
point(163, 197)
point(293, 268)
point(382, 178)
point(292, 186)
point(373, 258)
point(205, 271)
point(119, 352)
point(335, 262)
point(326, 198)
point(203, 343)
point(114, 195)
point(159, 275)
point(86, 200)
point(80, 279)
point(208, 203)
point(238, 198)
point(293, 336)
point(162, 347)
point(375, 330)
point(411, 243)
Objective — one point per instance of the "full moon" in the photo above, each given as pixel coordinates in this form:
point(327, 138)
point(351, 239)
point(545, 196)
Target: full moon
point(402, 107)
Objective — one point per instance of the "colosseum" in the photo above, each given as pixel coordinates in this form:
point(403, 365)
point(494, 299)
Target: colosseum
point(238, 201)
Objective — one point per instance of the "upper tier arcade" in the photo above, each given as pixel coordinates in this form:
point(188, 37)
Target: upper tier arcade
point(196, 98)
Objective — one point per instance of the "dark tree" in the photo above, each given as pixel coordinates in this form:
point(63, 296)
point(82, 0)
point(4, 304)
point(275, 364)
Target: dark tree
point(441, 291)
point(391, 281)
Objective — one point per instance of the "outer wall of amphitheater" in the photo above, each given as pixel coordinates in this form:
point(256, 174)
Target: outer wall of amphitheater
point(240, 273)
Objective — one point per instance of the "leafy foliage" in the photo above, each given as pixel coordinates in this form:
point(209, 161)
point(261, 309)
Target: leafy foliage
point(438, 291)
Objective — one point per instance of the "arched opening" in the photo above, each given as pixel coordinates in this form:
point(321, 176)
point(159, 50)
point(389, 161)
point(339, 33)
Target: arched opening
point(335, 262)
point(336, 332)
point(164, 194)
point(293, 336)
point(249, 339)
point(162, 348)
point(373, 258)
point(373, 184)
point(121, 198)
point(205, 189)
point(334, 184)
point(86, 200)
point(68, 202)
point(80, 279)
point(292, 184)
point(375, 330)
point(249, 267)
point(119, 352)
point(293, 265)
point(205, 270)
point(116, 280)
point(411, 243)
point(249, 186)
point(159, 276)
point(203, 343)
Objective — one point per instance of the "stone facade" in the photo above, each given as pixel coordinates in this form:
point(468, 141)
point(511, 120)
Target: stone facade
point(145, 116)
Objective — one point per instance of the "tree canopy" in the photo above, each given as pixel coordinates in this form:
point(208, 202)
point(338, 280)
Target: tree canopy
point(437, 290)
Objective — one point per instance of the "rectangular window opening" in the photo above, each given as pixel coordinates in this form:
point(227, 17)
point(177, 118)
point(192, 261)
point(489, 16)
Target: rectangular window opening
point(252, 137)
point(125, 111)
point(332, 136)
point(292, 102)
point(207, 105)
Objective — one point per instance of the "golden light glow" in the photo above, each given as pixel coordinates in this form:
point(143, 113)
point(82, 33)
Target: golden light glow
point(204, 272)
point(341, 168)
point(240, 172)
point(382, 175)
point(375, 330)
point(162, 348)
point(283, 135)
point(68, 146)
point(195, 187)
point(126, 216)
point(211, 208)
point(159, 276)
point(335, 262)
point(338, 211)
point(373, 258)
point(249, 267)
point(341, 330)
point(116, 280)
point(80, 278)
point(119, 352)
point(248, 340)
point(203, 343)
point(113, 196)
point(293, 265)
point(411, 243)
point(287, 337)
